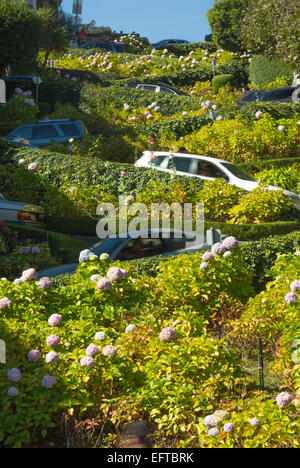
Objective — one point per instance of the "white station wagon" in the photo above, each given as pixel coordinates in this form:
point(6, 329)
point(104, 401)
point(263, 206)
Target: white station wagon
point(205, 168)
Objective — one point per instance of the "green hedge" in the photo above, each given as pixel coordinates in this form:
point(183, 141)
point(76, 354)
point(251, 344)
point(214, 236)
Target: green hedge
point(185, 49)
point(63, 248)
point(282, 110)
point(105, 79)
point(270, 164)
point(263, 70)
point(258, 255)
point(179, 127)
point(56, 167)
point(94, 97)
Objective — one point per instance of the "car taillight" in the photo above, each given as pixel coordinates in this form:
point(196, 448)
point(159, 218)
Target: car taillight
point(27, 216)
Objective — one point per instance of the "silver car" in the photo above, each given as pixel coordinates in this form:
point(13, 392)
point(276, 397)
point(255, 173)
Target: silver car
point(21, 213)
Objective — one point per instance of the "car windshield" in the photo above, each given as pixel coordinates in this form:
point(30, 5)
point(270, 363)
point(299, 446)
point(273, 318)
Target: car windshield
point(2, 197)
point(238, 172)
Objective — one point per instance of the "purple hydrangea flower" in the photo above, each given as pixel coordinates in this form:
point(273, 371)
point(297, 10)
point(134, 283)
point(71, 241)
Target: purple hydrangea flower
point(114, 274)
point(228, 427)
point(45, 283)
point(213, 432)
point(85, 255)
point(14, 374)
point(54, 320)
point(109, 350)
point(53, 340)
point(283, 399)
point(230, 243)
point(290, 297)
point(203, 266)
point(35, 250)
point(24, 250)
point(91, 350)
point(52, 357)
point(87, 361)
point(12, 392)
point(104, 284)
point(34, 355)
point(295, 285)
point(18, 91)
point(167, 334)
point(4, 302)
point(48, 381)
point(254, 422)
point(95, 277)
point(218, 248)
point(209, 421)
point(207, 256)
point(124, 273)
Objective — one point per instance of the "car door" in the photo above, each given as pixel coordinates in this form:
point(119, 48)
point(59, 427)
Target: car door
point(146, 87)
point(70, 130)
point(44, 135)
point(165, 90)
point(181, 165)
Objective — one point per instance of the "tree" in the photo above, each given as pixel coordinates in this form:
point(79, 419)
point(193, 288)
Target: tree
point(272, 27)
point(53, 36)
point(20, 31)
point(224, 19)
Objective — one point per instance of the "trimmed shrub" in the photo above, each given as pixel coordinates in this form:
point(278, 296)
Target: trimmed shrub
point(257, 166)
point(220, 81)
point(179, 127)
point(185, 49)
point(279, 110)
point(263, 70)
point(94, 98)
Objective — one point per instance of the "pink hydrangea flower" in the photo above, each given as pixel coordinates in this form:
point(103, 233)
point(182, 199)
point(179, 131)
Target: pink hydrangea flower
point(95, 277)
point(52, 357)
point(167, 334)
point(48, 381)
point(34, 355)
point(87, 361)
point(207, 256)
point(295, 285)
point(33, 166)
point(230, 243)
point(281, 128)
point(54, 320)
point(122, 174)
point(109, 350)
point(213, 432)
point(203, 266)
point(258, 114)
point(4, 302)
point(91, 350)
point(104, 284)
point(218, 248)
point(53, 340)
point(114, 274)
point(228, 427)
point(290, 297)
point(45, 283)
point(283, 399)
point(29, 275)
point(14, 374)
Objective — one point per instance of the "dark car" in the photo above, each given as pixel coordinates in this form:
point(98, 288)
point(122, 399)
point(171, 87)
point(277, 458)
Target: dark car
point(164, 43)
point(46, 132)
point(157, 88)
point(283, 94)
point(108, 46)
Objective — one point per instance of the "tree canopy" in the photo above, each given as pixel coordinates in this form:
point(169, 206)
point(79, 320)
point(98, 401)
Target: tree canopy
point(20, 31)
point(224, 19)
point(272, 27)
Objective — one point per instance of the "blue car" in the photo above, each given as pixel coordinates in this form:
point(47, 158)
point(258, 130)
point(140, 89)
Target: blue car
point(46, 132)
point(132, 247)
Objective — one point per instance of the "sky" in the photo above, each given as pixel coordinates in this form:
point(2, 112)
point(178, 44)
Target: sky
point(154, 19)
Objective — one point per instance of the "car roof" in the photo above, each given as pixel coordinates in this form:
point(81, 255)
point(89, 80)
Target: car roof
point(45, 122)
point(187, 155)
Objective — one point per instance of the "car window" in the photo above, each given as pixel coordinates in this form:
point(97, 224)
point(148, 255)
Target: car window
point(44, 131)
point(238, 172)
point(147, 87)
point(138, 248)
point(180, 164)
point(25, 132)
point(161, 161)
point(166, 90)
point(207, 169)
point(70, 129)
point(278, 94)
